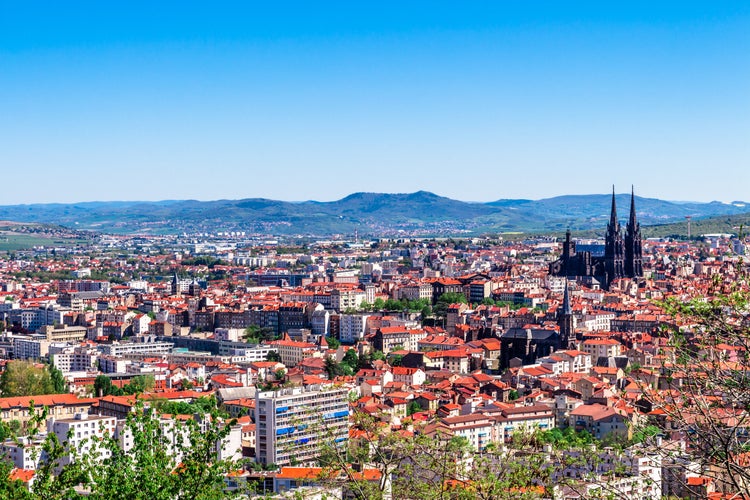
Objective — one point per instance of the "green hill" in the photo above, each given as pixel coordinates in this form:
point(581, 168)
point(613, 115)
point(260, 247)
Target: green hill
point(420, 213)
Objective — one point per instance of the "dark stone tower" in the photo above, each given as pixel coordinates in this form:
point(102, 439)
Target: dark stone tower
point(569, 251)
point(565, 322)
point(633, 244)
point(614, 248)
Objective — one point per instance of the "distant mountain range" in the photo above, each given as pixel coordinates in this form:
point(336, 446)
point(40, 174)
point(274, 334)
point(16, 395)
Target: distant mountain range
point(420, 213)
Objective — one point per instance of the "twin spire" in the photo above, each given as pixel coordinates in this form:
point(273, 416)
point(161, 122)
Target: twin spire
point(613, 213)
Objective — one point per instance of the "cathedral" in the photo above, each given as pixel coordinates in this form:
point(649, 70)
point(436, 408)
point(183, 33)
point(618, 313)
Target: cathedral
point(622, 253)
point(523, 346)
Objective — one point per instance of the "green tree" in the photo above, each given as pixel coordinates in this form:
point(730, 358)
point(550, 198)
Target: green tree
point(413, 407)
point(351, 359)
point(395, 359)
point(24, 378)
point(152, 469)
point(11, 488)
point(444, 302)
point(378, 355)
point(453, 298)
point(139, 384)
point(431, 465)
point(168, 460)
point(59, 384)
point(333, 342)
point(273, 356)
point(365, 306)
point(103, 387)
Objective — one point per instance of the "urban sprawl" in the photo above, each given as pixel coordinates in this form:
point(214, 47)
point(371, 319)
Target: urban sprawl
point(332, 369)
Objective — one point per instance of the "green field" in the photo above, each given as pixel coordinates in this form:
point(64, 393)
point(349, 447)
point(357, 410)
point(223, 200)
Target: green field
point(10, 242)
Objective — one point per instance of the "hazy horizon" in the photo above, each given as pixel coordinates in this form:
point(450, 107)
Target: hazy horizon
point(176, 200)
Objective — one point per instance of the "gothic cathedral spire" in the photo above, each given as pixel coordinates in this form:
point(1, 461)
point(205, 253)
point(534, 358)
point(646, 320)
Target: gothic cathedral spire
point(614, 248)
point(633, 243)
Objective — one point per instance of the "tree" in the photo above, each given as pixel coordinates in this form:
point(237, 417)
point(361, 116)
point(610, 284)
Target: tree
point(333, 342)
point(139, 384)
point(430, 465)
point(365, 306)
point(453, 298)
point(273, 356)
point(103, 387)
point(351, 359)
point(378, 355)
point(412, 408)
point(252, 334)
point(178, 462)
point(11, 488)
point(444, 302)
point(24, 378)
point(59, 384)
point(703, 393)
point(395, 359)
point(168, 460)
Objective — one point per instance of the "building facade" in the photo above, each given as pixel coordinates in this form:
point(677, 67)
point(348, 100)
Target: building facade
point(292, 424)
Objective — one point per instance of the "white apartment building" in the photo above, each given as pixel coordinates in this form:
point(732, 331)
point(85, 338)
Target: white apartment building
point(602, 348)
point(113, 364)
point(538, 416)
point(83, 432)
point(75, 359)
point(352, 327)
point(598, 321)
point(292, 352)
point(24, 453)
point(175, 434)
point(249, 352)
point(346, 299)
point(292, 424)
point(152, 348)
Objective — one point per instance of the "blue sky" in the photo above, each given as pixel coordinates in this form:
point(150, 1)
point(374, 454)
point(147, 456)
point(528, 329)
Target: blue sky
point(294, 101)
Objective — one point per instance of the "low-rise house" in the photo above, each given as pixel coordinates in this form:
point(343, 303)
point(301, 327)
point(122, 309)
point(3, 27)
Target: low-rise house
point(409, 376)
point(59, 406)
point(523, 418)
point(601, 421)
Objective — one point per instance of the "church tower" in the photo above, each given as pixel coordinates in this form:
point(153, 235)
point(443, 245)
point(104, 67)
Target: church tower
point(569, 251)
point(614, 247)
point(633, 243)
point(565, 322)
point(175, 284)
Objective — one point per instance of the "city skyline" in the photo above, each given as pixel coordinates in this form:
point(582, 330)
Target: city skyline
point(296, 103)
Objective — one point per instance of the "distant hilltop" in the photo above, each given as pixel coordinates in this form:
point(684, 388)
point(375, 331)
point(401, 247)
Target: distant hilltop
point(377, 214)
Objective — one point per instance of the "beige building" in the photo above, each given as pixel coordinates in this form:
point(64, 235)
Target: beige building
point(64, 333)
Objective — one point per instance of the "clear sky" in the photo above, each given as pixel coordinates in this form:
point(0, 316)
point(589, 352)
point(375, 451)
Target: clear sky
point(315, 100)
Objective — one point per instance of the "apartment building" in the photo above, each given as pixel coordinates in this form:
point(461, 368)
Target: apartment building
point(352, 327)
point(293, 423)
point(83, 432)
point(153, 348)
point(75, 359)
point(31, 347)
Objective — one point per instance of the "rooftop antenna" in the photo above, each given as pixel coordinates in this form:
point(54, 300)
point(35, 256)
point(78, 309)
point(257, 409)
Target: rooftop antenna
point(688, 217)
